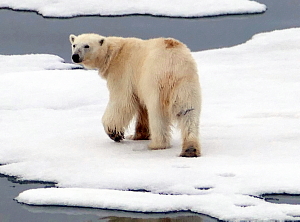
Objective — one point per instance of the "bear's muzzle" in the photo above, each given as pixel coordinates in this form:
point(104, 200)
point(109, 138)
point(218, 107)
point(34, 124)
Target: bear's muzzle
point(76, 58)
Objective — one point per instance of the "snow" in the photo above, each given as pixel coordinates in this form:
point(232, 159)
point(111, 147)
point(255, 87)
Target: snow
point(250, 128)
point(177, 8)
point(33, 62)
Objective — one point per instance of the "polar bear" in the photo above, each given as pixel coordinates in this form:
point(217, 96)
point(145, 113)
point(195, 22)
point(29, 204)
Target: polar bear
point(155, 81)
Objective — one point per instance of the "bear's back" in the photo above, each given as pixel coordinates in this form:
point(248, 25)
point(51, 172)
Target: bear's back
point(171, 54)
point(163, 44)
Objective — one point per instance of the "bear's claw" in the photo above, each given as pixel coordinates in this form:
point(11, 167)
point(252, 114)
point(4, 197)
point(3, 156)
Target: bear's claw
point(116, 136)
point(190, 152)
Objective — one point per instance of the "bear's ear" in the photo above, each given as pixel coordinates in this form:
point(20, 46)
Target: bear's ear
point(72, 38)
point(101, 42)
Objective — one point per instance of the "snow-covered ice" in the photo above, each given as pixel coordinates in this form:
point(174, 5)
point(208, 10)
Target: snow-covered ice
point(177, 8)
point(33, 62)
point(250, 128)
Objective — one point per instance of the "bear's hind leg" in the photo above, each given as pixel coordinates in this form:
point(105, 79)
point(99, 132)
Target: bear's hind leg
point(191, 148)
point(160, 128)
point(189, 124)
point(186, 110)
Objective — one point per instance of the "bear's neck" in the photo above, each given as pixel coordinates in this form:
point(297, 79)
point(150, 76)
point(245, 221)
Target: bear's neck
point(103, 63)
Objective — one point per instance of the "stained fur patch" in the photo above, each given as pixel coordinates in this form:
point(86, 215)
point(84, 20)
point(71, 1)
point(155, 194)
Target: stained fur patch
point(171, 43)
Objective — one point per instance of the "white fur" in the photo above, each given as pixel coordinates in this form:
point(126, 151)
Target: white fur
point(157, 77)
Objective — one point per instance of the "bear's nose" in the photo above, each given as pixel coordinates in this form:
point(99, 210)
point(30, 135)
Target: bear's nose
point(76, 58)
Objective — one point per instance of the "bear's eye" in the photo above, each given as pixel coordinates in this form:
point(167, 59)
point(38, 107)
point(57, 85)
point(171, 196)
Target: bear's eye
point(74, 46)
point(86, 46)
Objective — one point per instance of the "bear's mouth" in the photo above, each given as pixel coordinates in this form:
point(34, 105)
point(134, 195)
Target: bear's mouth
point(76, 58)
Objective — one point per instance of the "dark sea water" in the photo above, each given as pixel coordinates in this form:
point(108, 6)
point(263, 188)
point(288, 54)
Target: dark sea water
point(27, 32)
point(30, 33)
point(11, 211)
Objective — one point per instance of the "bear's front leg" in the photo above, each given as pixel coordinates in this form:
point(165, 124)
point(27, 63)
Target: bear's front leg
point(115, 135)
point(115, 119)
point(112, 129)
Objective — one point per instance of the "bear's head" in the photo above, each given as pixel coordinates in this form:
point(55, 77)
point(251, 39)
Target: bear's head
point(87, 48)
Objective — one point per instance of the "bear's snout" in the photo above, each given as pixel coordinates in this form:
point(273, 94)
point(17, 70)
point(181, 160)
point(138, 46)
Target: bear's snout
point(76, 58)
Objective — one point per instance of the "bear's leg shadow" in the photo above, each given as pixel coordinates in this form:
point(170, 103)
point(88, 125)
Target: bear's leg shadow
point(116, 119)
